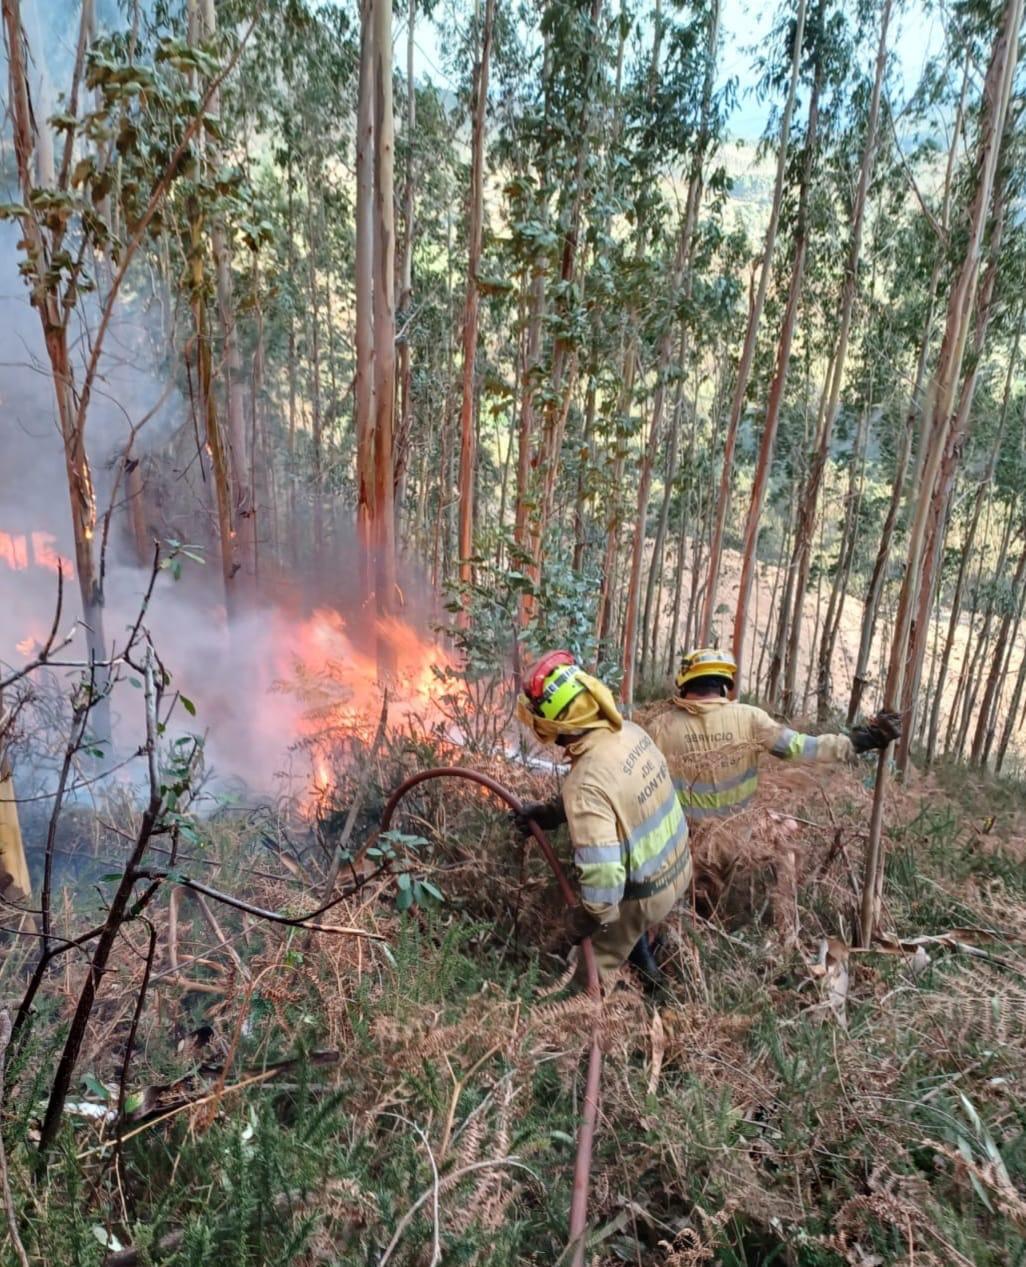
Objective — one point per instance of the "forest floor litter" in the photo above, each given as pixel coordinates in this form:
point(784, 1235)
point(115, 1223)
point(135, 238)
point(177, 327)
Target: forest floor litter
point(792, 1100)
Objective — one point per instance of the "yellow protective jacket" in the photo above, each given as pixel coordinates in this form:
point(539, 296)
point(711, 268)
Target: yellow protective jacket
point(14, 877)
point(712, 747)
point(625, 820)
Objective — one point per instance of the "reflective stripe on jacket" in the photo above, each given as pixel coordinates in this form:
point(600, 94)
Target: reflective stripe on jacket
point(712, 747)
point(624, 817)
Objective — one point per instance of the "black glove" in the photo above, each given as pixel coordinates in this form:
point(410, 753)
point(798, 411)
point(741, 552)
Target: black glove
point(547, 814)
point(581, 924)
point(878, 732)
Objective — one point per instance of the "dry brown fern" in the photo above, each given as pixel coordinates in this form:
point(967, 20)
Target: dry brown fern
point(687, 1250)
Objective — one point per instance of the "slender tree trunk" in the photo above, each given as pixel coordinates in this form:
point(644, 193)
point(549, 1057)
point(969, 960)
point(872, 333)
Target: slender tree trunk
point(243, 507)
point(291, 446)
point(665, 355)
point(954, 617)
point(386, 587)
point(468, 421)
point(1011, 713)
point(940, 418)
point(939, 513)
point(405, 430)
point(365, 401)
point(767, 445)
point(656, 572)
point(317, 413)
point(849, 289)
point(562, 372)
point(982, 649)
point(744, 369)
point(615, 516)
point(986, 722)
point(135, 498)
point(525, 442)
point(31, 143)
point(584, 466)
point(871, 605)
point(969, 543)
point(839, 589)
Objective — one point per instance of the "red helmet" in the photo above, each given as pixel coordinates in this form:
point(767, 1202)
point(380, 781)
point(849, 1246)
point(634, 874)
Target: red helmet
point(538, 682)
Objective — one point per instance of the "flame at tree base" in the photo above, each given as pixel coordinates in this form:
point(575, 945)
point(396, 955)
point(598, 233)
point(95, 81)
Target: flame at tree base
point(337, 685)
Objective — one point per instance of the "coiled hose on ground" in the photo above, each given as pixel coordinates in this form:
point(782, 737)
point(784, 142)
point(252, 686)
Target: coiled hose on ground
point(589, 1116)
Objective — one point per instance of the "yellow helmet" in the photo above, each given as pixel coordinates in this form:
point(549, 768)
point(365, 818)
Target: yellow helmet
point(706, 662)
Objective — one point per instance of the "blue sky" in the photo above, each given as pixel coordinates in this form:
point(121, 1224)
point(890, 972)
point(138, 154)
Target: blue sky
point(916, 35)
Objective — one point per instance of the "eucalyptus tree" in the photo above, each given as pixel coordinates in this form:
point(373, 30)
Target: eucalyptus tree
point(922, 244)
point(838, 358)
point(475, 212)
point(684, 114)
point(828, 54)
point(941, 419)
point(790, 34)
point(94, 181)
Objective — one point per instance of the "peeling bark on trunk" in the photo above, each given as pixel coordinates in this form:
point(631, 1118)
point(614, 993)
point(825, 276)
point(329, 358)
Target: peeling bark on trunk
point(386, 588)
point(405, 429)
point(29, 144)
point(468, 420)
point(364, 332)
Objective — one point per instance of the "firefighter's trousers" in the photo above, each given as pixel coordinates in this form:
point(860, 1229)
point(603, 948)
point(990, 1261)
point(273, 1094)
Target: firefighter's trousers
point(614, 942)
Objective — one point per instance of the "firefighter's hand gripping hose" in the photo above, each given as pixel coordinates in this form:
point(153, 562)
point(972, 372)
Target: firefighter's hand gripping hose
point(589, 1116)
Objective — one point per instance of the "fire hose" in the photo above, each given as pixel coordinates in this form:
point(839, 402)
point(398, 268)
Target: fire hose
point(586, 1134)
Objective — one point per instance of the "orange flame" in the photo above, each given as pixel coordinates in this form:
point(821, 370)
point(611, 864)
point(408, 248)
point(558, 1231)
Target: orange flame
point(337, 684)
point(14, 552)
point(46, 556)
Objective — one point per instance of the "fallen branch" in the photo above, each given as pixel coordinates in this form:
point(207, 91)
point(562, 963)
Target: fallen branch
point(275, 917)
point(225, 942)
point(183, 1092)
point(180, 1108)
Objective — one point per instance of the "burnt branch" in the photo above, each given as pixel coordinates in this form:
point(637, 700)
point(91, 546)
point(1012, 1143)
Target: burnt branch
point(117, 915)
point(274, 917)
point(51, 647)
point(81, 708)
point(140, 1003)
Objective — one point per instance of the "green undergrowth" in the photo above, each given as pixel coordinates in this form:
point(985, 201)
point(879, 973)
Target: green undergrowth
point(741, 1125)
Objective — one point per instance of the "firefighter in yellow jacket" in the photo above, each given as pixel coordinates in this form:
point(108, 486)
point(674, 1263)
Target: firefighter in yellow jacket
point(15, 886)
point(713, 743)
point(629, 835)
